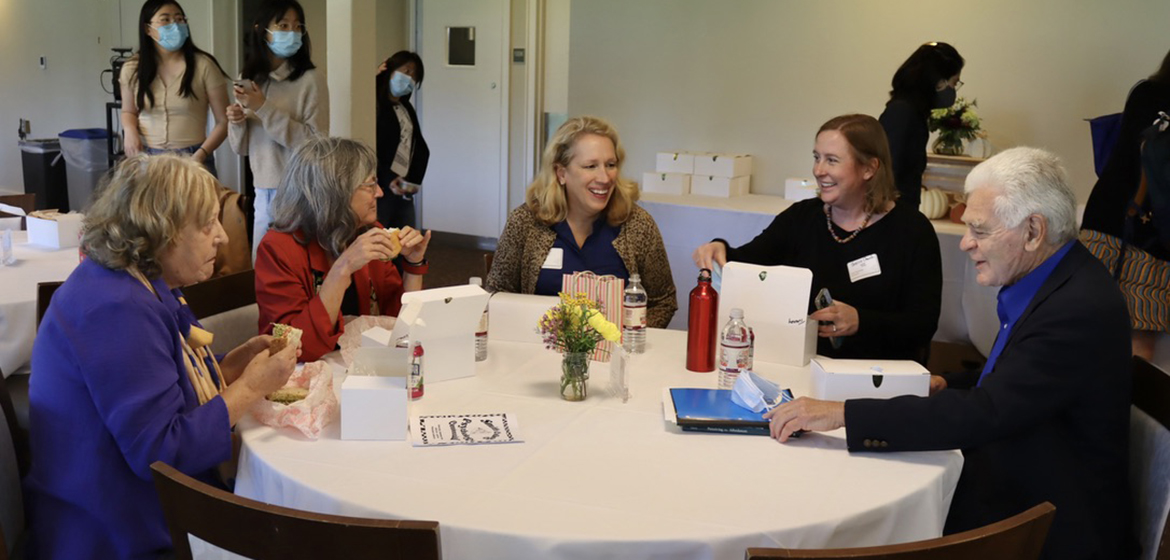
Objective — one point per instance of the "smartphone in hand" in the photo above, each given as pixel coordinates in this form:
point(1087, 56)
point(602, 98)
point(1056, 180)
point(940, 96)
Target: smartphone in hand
point(822, 301)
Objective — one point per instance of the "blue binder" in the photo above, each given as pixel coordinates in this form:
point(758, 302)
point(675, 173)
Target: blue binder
point(711, 410)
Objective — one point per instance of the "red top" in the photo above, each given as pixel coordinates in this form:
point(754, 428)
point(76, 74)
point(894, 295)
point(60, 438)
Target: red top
point(288, 277)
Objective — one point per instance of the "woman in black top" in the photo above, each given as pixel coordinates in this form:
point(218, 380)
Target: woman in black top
point(879, 259)
point(927, 80)
point(402, 152)
point(1143, 277)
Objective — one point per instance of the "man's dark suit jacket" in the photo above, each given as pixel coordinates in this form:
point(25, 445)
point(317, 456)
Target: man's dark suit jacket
point(1049, 422)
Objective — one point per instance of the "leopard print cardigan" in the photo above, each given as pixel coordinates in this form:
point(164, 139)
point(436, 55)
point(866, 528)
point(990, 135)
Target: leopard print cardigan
point(525, 244)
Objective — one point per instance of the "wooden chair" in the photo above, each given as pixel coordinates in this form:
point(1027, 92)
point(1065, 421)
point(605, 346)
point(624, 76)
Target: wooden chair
point(16, 432)
point(12, 522)
point(226, 306)
point(487, 265)
point(258, 530)
point(45, 291)
point(26, 202)
point(1020, 537)
point(1149, 447)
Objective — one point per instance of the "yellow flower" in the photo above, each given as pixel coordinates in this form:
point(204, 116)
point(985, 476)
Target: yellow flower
point(606, 329)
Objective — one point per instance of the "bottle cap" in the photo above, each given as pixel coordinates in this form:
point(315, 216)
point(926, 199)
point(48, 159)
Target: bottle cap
point(736, 313)
point(635, 277)
point(475, 281)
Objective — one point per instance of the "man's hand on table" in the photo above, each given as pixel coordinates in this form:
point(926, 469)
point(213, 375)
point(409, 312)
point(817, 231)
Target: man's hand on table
point(805, 414)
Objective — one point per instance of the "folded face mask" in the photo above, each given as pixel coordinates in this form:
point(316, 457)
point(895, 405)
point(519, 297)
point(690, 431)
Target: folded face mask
point(756, 393)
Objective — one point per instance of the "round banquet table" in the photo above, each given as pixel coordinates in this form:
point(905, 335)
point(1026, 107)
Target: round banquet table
point(18, 298)
point(603, 478)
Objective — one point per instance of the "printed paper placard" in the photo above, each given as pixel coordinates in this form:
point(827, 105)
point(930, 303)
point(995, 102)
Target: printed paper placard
point(463, 429)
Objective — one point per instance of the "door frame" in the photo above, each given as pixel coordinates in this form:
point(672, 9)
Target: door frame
point(533, 88)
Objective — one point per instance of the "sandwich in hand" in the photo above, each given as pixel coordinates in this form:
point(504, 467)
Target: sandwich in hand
point(284, 335)
point(395, 243)
point(288, 395)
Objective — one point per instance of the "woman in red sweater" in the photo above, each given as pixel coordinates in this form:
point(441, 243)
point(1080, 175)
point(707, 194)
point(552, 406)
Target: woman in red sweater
point(327, 256)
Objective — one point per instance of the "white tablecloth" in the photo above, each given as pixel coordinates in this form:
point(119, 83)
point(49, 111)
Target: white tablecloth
point(605, 479)
point(18, 296)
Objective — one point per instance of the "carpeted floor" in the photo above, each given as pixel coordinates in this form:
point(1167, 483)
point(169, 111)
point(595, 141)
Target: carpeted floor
point(453, 264)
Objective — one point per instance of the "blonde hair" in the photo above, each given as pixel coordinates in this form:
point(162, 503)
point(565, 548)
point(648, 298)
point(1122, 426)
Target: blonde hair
point(142, 207)
point(867, 140)
point(546, 196)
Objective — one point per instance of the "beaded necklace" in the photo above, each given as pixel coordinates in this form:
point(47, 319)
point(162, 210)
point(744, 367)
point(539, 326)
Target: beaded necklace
point(829, 221)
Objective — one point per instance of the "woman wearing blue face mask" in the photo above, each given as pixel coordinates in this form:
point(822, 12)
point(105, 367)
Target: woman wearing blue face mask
point(402, 151)
point(927, 80)
point(167, 88)
point(281, 101)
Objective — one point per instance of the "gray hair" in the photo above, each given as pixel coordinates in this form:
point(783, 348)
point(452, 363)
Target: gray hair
point(142, 207)
point(314, 196)
point(1030, 181)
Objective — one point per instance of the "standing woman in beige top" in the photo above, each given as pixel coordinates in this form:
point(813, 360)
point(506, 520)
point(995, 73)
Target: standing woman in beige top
point(167, 88)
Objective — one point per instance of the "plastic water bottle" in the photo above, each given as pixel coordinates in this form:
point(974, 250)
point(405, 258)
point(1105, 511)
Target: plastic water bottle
point(734, 349)
point(481, 339)
point(634, 316)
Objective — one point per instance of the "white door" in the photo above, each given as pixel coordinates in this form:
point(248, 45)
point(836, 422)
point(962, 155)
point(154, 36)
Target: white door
point(463, 114)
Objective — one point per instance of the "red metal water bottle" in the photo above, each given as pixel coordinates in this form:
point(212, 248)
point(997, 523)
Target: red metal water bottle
point(702, 330)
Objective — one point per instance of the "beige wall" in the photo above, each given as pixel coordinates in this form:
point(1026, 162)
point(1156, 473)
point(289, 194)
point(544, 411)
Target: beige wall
point(76, 42)
point(760, 76)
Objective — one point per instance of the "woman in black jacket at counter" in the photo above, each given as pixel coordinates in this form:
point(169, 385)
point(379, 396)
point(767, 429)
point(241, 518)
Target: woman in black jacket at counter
point(927, 80)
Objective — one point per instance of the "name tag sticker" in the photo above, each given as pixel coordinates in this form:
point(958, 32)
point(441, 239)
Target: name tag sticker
point(865, 267)
point(555, 259)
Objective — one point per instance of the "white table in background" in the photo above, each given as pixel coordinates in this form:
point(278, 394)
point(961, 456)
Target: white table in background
point(18, 296)
point(601, 478)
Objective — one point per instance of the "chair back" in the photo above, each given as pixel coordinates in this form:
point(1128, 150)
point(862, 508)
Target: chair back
point(258, 530)
point(487, 265)
point(226, 306)
point(1020, 537)
point(11, 504)
point(1149, 458)
point(26, 202)
point(45, 291)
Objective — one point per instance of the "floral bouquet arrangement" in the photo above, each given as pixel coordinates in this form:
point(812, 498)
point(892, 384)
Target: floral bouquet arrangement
point(574, 327)
point(955, 124)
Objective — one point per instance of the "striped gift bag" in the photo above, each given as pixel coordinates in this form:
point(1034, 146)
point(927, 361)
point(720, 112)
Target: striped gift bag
point(607, 291)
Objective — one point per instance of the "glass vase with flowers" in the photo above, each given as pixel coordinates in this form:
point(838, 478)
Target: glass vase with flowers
point(574, 327)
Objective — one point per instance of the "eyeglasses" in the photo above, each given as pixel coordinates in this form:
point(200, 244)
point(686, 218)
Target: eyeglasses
point(958, 85)
point(283, 26)
point(168, 19)
point(371, 188)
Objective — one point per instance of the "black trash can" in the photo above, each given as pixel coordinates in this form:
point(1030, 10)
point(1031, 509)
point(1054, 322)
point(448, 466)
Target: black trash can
point(44, 173)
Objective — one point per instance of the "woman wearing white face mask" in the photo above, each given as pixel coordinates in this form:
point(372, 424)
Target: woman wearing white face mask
point(402, 151)
point(281, 101)
point(167, 88)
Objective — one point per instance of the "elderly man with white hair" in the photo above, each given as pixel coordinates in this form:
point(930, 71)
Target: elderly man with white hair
point(1047, 419)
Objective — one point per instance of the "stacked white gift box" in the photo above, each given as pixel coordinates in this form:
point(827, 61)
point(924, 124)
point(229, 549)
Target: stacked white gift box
point(702, 173)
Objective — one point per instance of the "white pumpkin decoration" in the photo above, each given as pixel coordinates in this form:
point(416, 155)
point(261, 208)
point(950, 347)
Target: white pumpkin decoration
point(934, 204)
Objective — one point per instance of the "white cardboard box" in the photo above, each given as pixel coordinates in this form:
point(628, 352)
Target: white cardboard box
point(723, 165)
point(377, 337)
point(444, 320)
point(63, 232)
point(726, 187)
point(800, 189)
point(666, 183)
point(675, 162)
point(839, 380)
point(373, 407)
point(774, 300)
point(513, 317)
